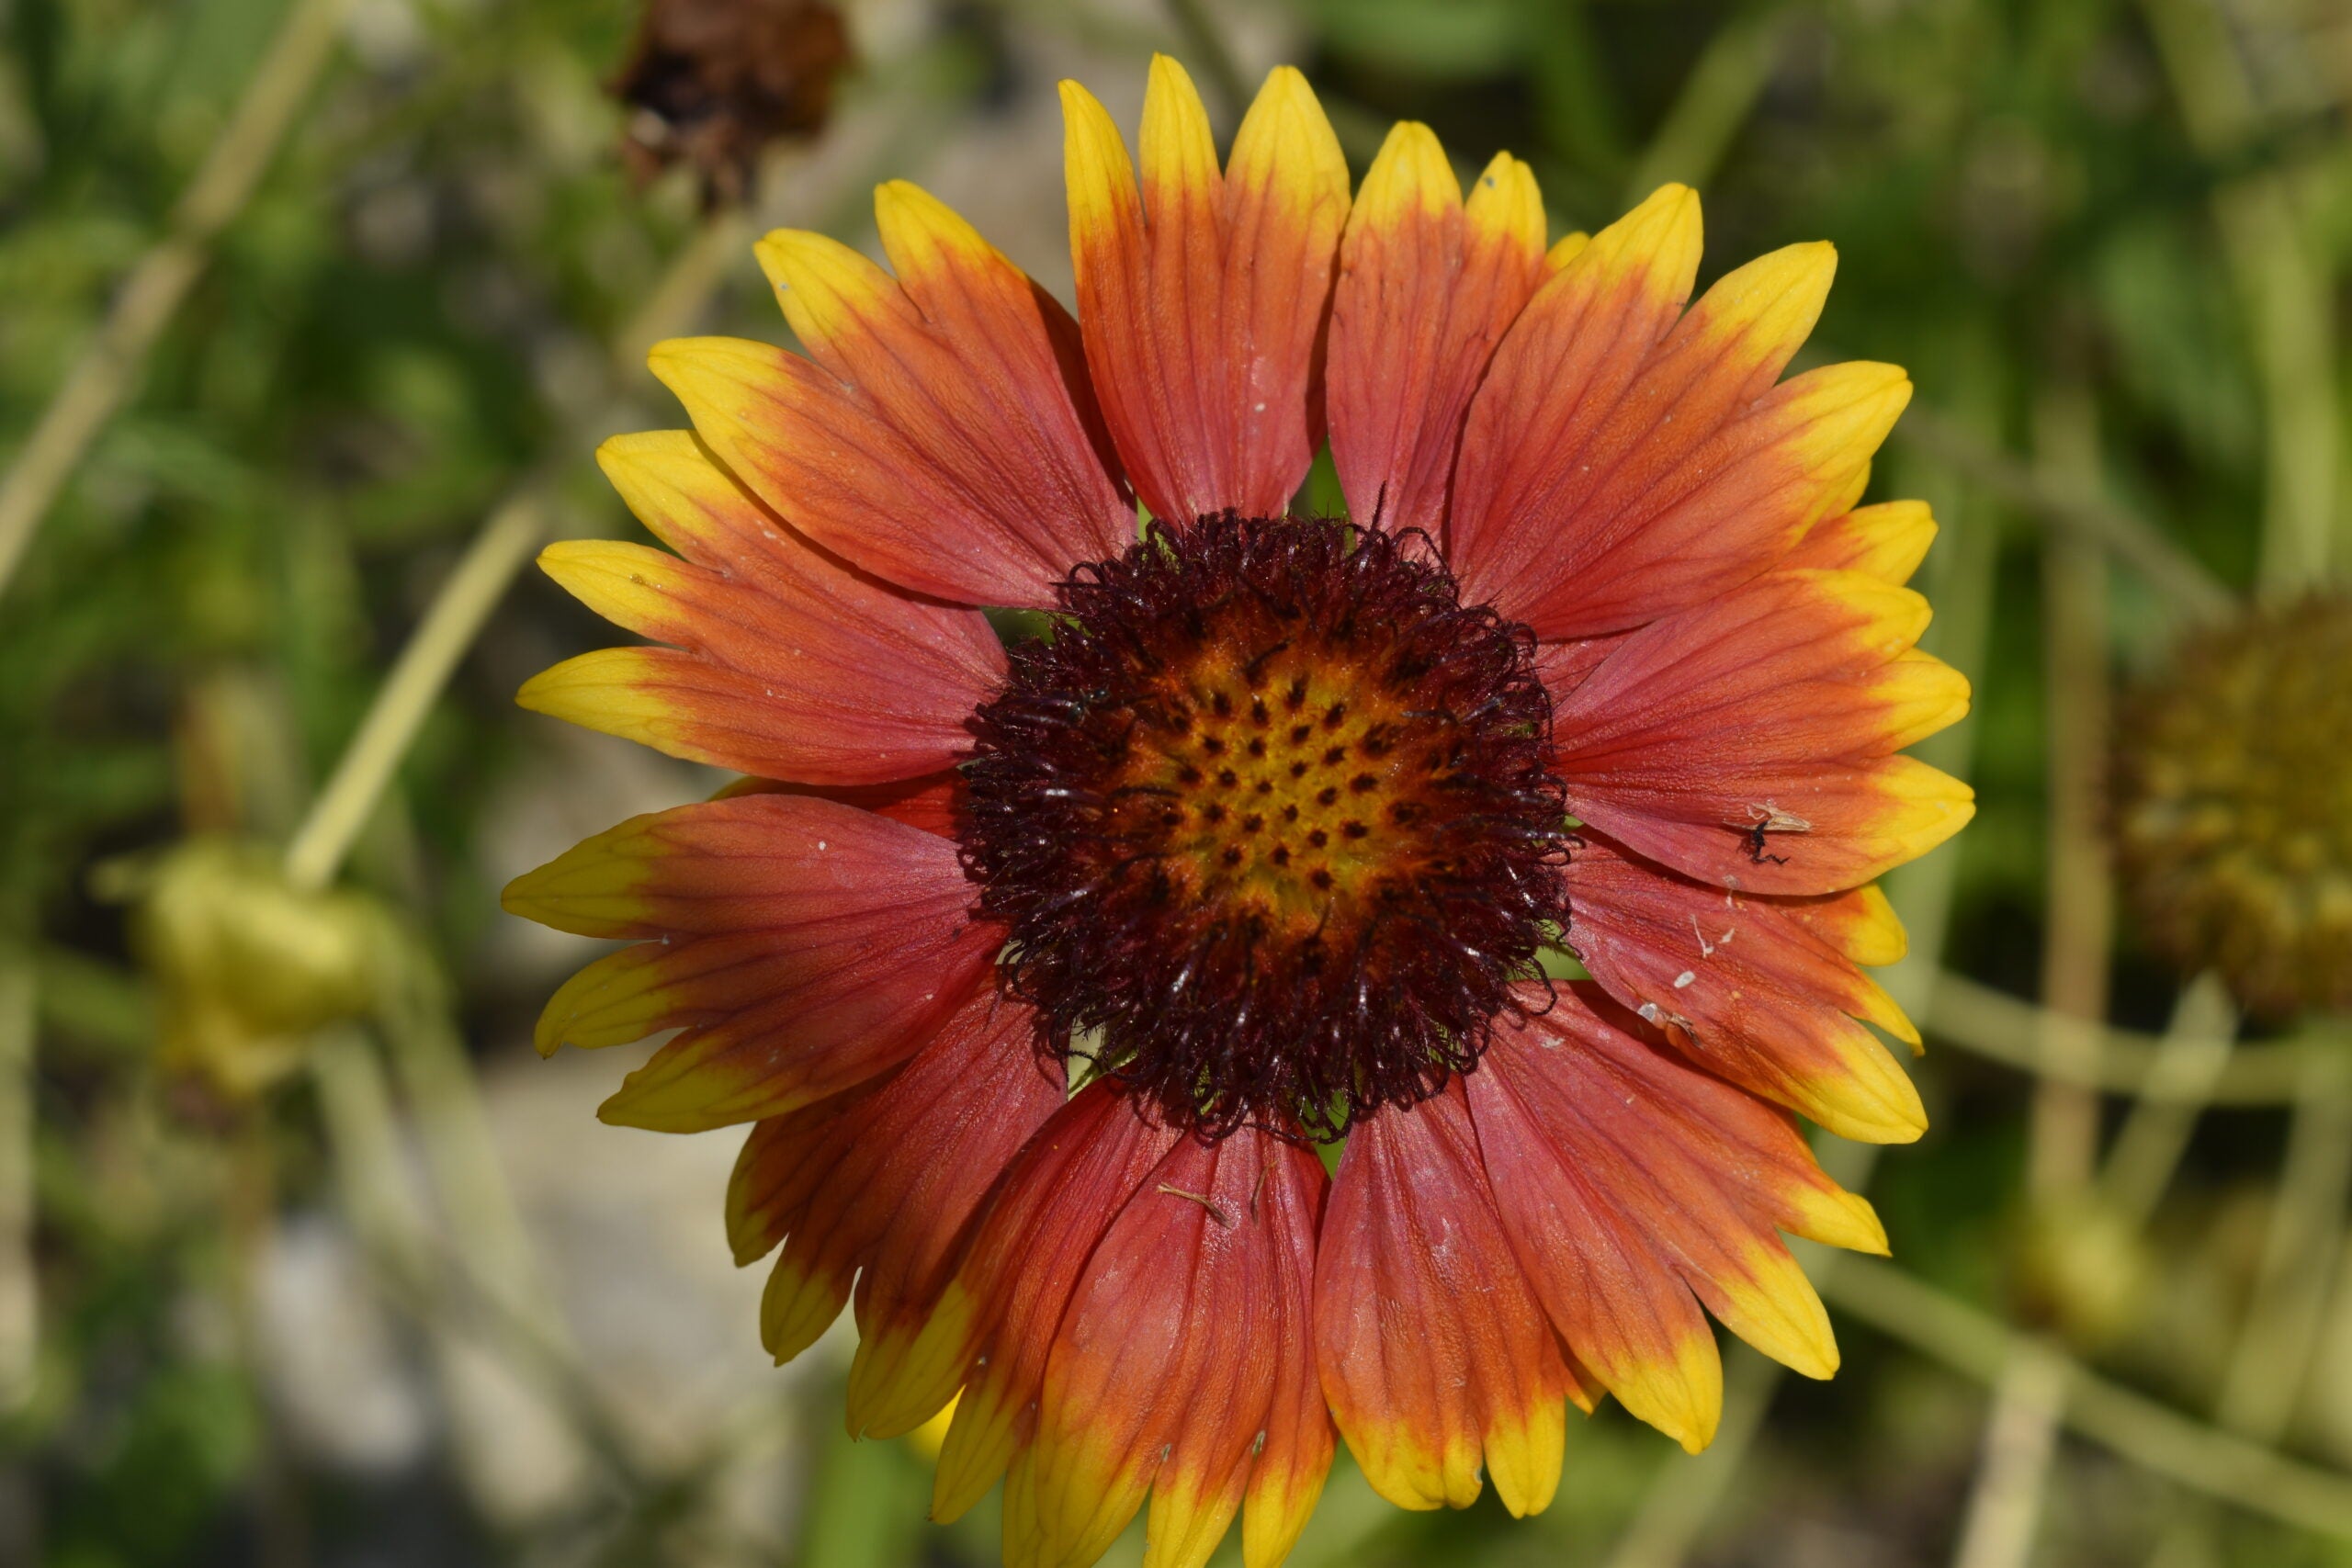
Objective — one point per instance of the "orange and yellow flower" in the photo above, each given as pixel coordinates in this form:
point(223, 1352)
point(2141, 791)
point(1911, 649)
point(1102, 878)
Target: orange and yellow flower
point(1266, 842)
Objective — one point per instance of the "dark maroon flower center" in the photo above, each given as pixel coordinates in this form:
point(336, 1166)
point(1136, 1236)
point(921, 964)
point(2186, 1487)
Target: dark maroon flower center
point(1269, 820)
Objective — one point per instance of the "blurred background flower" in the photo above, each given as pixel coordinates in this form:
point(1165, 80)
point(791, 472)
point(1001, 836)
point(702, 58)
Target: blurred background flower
point(2234, 806)
point(314, 310)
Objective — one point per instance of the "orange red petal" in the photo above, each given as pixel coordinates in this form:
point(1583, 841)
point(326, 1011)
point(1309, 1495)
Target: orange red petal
point(801, 946)
point(1630, 1183)
point(1568, 358)
point(1202, 297)
point(1748, 741)
point(876, 1183)
point(994, 1325)
point(782, 662)
point(1625, 459)
point(1435, 1353)
point(1887, 541)
point(935, 436)
point(1746, 987)
point(1427, 285)
point(1187, 1329)
point(929, 802)
point(1290, 1464)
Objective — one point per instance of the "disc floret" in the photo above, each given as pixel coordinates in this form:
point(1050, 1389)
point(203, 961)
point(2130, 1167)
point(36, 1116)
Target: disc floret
point(1269, 821)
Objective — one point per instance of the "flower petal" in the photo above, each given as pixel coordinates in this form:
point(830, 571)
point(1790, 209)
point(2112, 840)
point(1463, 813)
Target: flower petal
point(1748, 741)
point(1434, 1348)
point(1621, 462)
point(779, 1177)
point(876, 1183)
point(936, 437)
point(1627, 1181)
point(1190, 1323)
point(1745, 987)
point(1286, 1479)
point(929, 802)
point(1571, 355)
point(786, 662)
point(1203, 301)
point(1887, 541)
point(1427, 286)
point(802, 945)
point(995, 1322)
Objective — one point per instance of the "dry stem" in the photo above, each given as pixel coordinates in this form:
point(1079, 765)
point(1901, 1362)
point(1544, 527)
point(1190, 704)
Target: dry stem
point(95, 388)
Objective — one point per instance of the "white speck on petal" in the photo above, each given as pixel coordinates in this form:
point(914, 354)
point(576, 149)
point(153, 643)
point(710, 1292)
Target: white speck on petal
point(1683, 979)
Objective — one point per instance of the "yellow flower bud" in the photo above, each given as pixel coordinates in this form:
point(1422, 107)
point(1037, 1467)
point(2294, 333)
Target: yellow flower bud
point(247, 968)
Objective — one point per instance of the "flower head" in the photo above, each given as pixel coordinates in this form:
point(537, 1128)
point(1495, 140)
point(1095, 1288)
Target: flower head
point(714, 83)
point(2234, 809)
point(1265, 842)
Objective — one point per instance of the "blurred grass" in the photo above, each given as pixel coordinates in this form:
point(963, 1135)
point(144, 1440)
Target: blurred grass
point(411, 322)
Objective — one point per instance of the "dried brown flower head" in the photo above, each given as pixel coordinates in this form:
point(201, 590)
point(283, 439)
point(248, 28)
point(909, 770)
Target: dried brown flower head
point(2234, 811)
point(714, 82)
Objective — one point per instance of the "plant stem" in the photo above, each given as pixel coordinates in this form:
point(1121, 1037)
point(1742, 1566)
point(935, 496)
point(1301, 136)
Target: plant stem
point(434, 651)
point(1990, 1023)
point(2282, 1322)
point(479, 1213)
point(99, 381)
point(2159, 1439)
point(1715, 101)
point(2166, 567)
point(2283, 287)
point(2079, 899)
point(19, 1282)
point(2190, 1061)
point(2020, 1438)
